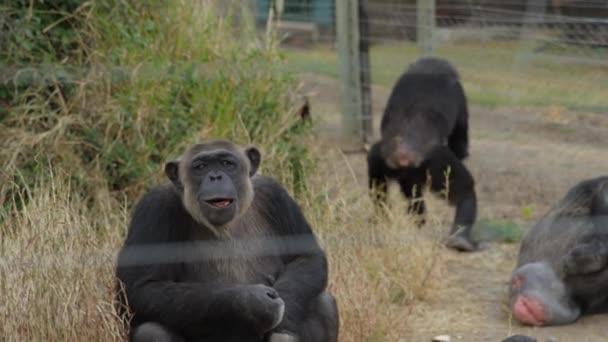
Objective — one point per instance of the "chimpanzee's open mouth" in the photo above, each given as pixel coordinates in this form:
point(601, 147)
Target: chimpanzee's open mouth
point(219, 202)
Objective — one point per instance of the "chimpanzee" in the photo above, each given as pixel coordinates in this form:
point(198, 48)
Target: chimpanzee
point(222, 254)
point(424, 140)
point(562, 269)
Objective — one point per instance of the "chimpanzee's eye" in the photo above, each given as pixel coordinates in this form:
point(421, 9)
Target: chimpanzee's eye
point(226, 163)
point(199, 166)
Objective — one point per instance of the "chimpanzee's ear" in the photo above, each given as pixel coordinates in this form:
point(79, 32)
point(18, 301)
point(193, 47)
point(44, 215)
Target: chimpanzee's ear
point(172, 172)
point(254, 159)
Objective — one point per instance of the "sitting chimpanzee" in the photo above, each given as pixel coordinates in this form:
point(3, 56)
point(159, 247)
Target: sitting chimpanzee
point(221, 254)
point(424, 139)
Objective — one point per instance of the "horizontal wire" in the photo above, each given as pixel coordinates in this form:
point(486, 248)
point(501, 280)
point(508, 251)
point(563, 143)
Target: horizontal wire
point(234, 249)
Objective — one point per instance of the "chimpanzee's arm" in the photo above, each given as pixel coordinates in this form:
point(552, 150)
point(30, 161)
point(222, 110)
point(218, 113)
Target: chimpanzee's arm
point(376, 175)
point(458, 141)
point(304, 276)
point(448, 173)
point(599, 207)
point(188, 308)
point(149, 267)
point(590, 255)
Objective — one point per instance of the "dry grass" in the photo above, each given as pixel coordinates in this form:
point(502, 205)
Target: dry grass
point(58, 256)
point(379, 267)
point(56, 267)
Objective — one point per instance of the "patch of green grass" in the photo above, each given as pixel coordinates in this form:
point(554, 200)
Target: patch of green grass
point(498, 230)
point(498, 73)
point(320, 61)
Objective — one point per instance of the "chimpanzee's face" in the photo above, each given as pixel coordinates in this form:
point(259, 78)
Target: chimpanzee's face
point(219, 177)
point(539, 297)
point(215, 181)
point(409, 144)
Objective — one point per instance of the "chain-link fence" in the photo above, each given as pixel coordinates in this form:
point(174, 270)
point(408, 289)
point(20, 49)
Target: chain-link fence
point(535, 75)
point(510, 53)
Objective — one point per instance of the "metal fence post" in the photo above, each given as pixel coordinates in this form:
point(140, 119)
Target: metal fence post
point(366, 72)
point(425, 26)
point(347, 35)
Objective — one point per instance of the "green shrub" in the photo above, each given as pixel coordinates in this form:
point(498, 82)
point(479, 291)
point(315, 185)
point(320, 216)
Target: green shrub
point(151, 77)
point(41, 31)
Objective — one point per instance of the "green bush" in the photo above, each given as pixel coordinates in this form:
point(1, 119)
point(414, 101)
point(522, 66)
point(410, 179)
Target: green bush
point(41, 31)
point(144, 80)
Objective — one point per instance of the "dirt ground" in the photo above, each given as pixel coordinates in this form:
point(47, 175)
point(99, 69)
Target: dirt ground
point(520, 158)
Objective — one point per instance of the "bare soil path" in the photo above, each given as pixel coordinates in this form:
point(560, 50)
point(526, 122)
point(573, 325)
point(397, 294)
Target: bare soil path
point(520, 158)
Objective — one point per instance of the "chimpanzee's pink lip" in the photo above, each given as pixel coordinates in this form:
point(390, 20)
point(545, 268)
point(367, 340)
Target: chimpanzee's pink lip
point(219, 203)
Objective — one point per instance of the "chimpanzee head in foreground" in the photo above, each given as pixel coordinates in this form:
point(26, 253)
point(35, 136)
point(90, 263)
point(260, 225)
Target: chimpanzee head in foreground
point(214, 180)
point(406, 144)
point(539, 297)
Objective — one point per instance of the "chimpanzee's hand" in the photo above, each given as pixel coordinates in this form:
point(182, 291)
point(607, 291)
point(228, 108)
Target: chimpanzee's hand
point(261, 306)
point(585, 258)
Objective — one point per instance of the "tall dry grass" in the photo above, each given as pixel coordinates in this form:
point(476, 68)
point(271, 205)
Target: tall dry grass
point(381, 265)
point(56, 265)
point(57, 258)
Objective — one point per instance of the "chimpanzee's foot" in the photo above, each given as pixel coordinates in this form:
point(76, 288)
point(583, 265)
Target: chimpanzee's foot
point(461, 242)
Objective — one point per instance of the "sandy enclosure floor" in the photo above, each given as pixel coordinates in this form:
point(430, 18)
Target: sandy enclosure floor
point(520, 158)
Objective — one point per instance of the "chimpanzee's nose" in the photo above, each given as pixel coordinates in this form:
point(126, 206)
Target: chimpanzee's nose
point(272, 294)
point(216, 176)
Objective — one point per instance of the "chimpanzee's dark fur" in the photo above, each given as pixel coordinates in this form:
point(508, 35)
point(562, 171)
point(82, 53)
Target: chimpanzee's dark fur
point(221, 254)
point(425, 138)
